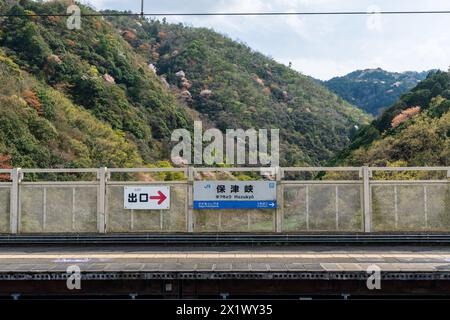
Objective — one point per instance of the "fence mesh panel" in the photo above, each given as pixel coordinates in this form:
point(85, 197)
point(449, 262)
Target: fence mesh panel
point(335, 207)
point(4, 209)
point(411, 207)
point(58, 209)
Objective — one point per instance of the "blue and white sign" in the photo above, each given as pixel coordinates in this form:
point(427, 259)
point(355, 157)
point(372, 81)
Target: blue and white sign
point(235, 195)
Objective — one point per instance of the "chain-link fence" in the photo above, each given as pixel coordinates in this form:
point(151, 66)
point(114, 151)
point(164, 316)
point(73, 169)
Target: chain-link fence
point(411, 207)
point(323, 207)
point(5, 194)
point(61, 208)
point(350, 201)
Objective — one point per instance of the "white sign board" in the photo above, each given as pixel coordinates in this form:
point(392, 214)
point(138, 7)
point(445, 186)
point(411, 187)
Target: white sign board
point(235, 195)
point(147, 198)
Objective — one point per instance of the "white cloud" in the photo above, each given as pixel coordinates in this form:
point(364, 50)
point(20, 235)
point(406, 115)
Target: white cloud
point(323, 69)
point(324, 46)
point(297, 24)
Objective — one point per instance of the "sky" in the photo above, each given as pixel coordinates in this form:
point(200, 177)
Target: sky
point(322, 46)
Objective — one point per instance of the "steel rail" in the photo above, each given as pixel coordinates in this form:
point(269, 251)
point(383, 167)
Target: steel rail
point(137, 170)
point(60, 183)
point(139, 183)
point(409, 168)
point(227, 239)
point(60, 170)
point(408, 182)
point(319, 169)
point(236, 169)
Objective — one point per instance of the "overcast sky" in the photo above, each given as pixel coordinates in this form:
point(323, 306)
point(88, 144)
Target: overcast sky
point(323, 46)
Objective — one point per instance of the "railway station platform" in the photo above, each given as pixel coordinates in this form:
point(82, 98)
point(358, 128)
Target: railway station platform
point(311, 232)
point(232, 272)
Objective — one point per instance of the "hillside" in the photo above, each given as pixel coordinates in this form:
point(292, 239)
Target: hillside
point(374, 90)
point(91, 97)
point(231, 86)
point(95, 70)
point(415, 131)
point(40, 126)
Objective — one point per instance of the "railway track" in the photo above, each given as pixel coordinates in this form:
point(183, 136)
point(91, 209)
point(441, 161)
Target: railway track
point(229, 239)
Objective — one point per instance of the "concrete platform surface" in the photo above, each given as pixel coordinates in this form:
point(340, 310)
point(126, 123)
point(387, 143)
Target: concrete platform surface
point(138, 259)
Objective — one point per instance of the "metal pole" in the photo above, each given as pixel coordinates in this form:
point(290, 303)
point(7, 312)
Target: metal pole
point(336, 204)
point(280, 202)
point(396, 207)
point(44, 208)
point(73, 209)
point(101, 200)
point(425, 205)
point(190, 200)
point(14, 201)
point(307, 207)
point(366, 193)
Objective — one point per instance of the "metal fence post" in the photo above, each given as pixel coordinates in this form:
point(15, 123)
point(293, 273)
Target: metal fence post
point(14, 201)
point(101, 198)
point(366, 195)
point(190, 200)
point(280, 198)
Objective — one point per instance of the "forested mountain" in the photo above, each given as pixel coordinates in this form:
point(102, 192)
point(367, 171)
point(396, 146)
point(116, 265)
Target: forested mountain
point(415, 131)
point(231, 86)
point(93, 70)
point(111, 93)
point(374, 90)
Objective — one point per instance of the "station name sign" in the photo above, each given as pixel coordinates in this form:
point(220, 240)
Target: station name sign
point(235, 195)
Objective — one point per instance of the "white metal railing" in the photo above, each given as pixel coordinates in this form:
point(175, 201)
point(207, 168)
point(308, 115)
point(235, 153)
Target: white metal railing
point(347, 205)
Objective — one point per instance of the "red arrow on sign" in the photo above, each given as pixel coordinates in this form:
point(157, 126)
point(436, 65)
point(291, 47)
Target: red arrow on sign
point(161, 197)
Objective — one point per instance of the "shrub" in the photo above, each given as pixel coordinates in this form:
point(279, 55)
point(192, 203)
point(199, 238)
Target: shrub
point(404, 116)
point(33, 101)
